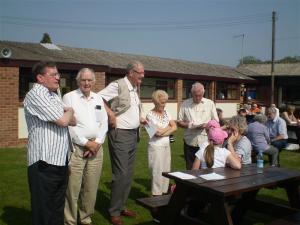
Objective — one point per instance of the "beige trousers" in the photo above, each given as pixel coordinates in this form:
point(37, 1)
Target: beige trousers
point(83, 186)
point(159, 159)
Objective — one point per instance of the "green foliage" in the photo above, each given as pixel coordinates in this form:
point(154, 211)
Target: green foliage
point(15, 198)
point(253, 60)
point(46, 39)
point(250, 60)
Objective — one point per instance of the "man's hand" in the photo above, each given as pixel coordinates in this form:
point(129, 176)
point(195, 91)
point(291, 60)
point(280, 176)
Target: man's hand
point(143, 121)
point(92, 147)
point(112, 120)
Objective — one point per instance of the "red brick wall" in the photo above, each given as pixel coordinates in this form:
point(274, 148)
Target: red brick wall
point(178, 92)
point(9, 102)
point(100, 81)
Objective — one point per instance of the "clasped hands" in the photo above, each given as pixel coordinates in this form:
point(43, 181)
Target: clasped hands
point(91, 149)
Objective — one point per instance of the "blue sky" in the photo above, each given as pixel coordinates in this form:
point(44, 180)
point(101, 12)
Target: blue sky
point(195, 30)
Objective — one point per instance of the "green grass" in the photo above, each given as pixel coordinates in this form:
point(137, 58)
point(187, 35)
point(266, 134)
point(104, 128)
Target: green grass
point(14, 193)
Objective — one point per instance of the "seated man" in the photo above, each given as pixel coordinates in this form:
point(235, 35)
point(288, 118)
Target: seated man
point(259, 137)
point(277, 130)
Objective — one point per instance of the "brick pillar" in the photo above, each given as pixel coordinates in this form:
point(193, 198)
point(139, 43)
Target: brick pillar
point(9, 103)
point(178, 93)
point(100, 81)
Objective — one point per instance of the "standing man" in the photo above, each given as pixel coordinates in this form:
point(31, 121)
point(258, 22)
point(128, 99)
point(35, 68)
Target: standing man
point(193, 115)
point(48, 145)
point(88, 136)
point(125, 118)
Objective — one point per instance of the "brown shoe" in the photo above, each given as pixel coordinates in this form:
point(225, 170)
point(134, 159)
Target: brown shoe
point(116, 220)
point(128, 213)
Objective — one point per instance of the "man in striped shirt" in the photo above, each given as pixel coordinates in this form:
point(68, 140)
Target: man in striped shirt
point(48, 145)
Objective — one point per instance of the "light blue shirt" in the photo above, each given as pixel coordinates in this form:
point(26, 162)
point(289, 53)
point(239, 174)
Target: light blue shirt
point(277, 127)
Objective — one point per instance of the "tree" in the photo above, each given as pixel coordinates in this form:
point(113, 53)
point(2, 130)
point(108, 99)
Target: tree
point(249, 60)
point(46, 39)
point(289, 59)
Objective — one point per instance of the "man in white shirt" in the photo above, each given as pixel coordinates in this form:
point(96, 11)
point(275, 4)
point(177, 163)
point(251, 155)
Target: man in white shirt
point(124, 119)
point(88, 136)
point(193, 115)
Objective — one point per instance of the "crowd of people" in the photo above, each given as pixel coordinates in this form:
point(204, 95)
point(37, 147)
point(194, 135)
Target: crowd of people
point(66, 136)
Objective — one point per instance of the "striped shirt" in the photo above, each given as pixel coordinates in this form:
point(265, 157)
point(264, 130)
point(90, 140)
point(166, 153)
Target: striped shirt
point(46, 140)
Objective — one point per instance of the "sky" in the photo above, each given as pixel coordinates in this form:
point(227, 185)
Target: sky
point(209, 31)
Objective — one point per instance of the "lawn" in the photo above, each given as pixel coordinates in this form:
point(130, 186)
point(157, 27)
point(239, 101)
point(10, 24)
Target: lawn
point(14, 193)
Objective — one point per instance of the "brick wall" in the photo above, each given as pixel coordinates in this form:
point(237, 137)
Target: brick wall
point(178, 92)
point(100, 81)
point(9, 102)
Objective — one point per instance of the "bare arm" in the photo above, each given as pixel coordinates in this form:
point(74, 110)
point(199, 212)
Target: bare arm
point(167, 130)
point(67, 118)
point(196, 164)
point(112, 121)
point(233, 162)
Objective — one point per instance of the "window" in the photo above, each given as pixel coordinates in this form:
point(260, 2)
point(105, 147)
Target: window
point(149, 85)
point(187, 85)
point(227, 91)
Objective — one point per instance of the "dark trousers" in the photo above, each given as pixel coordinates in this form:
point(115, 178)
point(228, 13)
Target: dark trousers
point(47, 184)
point(189, 155)
point(122, 148)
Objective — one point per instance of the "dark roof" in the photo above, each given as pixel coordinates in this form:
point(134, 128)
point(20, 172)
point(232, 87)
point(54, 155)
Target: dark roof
point(37, 52)
point(280, 69)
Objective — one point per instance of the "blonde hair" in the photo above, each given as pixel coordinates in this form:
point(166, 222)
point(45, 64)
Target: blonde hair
point(290, 109)
point(239, 122)
point(159, 94)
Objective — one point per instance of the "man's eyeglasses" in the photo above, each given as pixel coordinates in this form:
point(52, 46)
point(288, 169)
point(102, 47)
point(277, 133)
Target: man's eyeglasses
point(140, 73)
point(53, 74)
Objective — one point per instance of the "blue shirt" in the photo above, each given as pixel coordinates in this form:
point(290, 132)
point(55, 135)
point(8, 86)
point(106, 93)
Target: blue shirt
point(258, 135)
point(277, 127)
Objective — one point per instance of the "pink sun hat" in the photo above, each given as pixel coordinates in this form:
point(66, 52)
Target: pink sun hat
point(217, 135)
point(212, 124)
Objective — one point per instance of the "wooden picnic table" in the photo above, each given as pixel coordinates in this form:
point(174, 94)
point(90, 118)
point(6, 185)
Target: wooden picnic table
point(244, 183)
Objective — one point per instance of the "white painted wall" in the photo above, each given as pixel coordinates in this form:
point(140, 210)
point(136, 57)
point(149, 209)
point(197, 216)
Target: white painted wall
point(22, 126)
point(229, 109)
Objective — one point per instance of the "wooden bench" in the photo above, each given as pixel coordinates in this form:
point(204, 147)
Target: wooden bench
point(155, 204)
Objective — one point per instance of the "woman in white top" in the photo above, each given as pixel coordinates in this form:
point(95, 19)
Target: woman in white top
point(159, 152)
point(212, 154)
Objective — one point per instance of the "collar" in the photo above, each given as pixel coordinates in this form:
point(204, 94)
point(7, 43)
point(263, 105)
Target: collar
point(37, 85)
point(130, 87)
point(81, 95)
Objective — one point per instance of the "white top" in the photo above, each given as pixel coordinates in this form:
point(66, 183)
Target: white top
point(161, 122)
point(46, 140)
point(220, 156)
point(199, 113)
point(131, 118)
point(91, 117)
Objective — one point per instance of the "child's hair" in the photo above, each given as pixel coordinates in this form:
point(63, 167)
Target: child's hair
point(215, 136)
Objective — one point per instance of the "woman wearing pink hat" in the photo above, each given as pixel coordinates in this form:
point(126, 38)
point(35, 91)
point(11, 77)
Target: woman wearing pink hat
point(211, 154)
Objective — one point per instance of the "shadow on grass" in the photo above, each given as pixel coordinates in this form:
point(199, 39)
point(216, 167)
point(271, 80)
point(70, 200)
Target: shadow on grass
point(16, 216)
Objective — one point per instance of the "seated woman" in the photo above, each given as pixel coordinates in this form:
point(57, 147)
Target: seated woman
point(159, 151)
point(259, 137)
point(237, 142)
point(212, 155)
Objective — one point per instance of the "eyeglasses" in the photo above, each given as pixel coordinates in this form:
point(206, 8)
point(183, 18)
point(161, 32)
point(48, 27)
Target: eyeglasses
point(53, 74)
point(140, 73)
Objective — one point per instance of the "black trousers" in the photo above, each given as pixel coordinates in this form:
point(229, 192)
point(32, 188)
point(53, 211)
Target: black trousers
point(47, 184)
point(189, 155)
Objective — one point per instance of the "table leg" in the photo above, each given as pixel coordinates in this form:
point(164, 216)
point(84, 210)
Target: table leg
point(176, 204)
point(221, 211)
point(293, 193)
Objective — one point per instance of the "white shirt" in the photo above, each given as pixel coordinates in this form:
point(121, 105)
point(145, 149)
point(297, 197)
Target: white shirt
point(130, 119)
point(46, 140)
point(199, 113)
point(161, 122)
point(220, 156)
point(91, 117)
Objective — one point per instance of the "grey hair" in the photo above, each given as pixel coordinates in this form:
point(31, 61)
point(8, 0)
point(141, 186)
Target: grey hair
point(239, 122)
point(133, 65)
point(271, 110)
point(83, 70)
point(197, 85)
point(261, 118)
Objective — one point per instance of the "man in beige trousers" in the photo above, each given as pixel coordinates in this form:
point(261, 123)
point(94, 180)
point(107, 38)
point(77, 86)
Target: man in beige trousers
point(86, 162)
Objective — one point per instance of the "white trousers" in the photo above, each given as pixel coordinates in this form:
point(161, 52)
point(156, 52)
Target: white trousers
point(159, 159)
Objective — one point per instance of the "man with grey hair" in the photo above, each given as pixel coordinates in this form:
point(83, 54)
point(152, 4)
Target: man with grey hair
point(277, 130)
point(193, 115)
point(259, 137)
point(88, 136)
point(125, 118)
